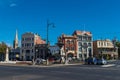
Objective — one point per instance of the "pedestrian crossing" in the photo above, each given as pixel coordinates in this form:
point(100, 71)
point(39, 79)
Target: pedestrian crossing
point(112, 63)
point(117, 62)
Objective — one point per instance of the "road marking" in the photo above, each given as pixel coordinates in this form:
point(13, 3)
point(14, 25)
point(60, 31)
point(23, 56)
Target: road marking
point(95, 68)
point(109, 65)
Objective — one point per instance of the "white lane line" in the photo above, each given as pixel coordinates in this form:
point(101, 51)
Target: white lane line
point(109, 65)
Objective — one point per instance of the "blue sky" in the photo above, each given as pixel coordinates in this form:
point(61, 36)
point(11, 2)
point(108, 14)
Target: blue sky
point(101, 17)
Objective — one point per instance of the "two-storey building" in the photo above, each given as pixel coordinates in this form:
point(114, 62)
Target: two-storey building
point(105, 48)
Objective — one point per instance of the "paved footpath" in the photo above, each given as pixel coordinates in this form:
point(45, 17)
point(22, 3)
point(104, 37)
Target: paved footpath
point(25, 65)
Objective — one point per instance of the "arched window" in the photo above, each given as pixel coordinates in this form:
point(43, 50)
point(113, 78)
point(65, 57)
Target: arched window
point(72, 42)
point(68, 41)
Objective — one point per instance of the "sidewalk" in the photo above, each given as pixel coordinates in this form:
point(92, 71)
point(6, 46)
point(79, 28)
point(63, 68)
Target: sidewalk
point(26, 65)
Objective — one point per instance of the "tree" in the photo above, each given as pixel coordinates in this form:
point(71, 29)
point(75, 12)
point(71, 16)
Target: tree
point(118, 45)
point(3, 47)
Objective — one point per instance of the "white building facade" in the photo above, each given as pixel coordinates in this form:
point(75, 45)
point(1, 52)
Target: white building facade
point(28, 42)
point(84, 44)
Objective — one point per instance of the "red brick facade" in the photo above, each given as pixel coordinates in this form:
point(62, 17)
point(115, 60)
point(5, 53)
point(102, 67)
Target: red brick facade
point(38, 40)
point(70, 44)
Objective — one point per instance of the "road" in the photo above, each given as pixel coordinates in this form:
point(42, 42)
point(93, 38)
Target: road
point(78, 72)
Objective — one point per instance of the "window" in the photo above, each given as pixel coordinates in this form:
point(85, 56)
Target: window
point(72, 42)
point(22, 39)
point(104, 43)
point(80, 37)
point(41, 51)
point(22, 50)
point(85, 45)
point(83, 37)
point(32, 39)
point(68, 41)
point(89, 38)
point(101, 43)
point(80, 55)
point(80, 49)
point(32, 44)
point(32, 57)
point(67, 48)
point(85, 55)
point(22, 45)
point(27, 51)
point(80, 44)
point(72, 48)
point(32, 50)
point(89, 44)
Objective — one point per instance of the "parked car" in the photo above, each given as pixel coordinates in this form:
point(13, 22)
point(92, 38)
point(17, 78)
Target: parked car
point(90, 60)
point(95, 61)
point(101, 61)
point(39, 61)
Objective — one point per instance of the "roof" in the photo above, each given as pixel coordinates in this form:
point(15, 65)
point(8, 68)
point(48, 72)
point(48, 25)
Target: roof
point(68, 36)
point(77, 32)
point(108, 40)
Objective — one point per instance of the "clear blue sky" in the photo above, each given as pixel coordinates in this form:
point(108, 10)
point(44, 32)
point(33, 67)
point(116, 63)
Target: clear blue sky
point(101, 17)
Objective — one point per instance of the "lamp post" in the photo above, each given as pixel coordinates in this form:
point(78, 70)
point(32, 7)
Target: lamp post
point(48, 25)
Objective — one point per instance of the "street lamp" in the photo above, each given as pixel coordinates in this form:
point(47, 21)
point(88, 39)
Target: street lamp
point(48, 25)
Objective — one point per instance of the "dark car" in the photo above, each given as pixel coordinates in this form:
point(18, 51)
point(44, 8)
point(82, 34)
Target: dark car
point(91, 60)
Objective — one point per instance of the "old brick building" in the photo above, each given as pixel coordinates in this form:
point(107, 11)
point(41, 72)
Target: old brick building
point(70, 45)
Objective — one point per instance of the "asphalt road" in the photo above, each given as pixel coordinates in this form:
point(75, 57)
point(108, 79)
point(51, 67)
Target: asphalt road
point(79, 72)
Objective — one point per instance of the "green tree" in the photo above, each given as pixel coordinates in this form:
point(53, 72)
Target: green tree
point(3, 47)
point(118, 45)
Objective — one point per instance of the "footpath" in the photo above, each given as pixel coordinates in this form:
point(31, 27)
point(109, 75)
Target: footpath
point(50, 65)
